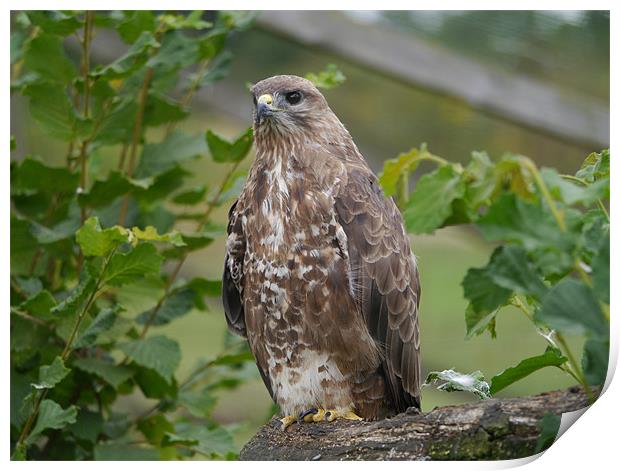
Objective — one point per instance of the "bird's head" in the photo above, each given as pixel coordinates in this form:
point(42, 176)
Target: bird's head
point(289, 105)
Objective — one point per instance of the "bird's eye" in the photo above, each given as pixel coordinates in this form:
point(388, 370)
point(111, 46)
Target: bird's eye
point(293, 97)
point(254, 100)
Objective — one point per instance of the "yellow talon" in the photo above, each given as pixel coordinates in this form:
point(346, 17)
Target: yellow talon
point(348, 415)
point(287, 421)
point(319, 416)
point(351, 416)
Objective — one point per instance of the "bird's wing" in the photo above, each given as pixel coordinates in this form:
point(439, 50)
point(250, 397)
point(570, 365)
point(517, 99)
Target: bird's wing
point(232, 279)
point(232, 282)
point(385, 275)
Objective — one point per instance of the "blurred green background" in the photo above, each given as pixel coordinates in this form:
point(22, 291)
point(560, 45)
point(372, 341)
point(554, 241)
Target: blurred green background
point(567, 51)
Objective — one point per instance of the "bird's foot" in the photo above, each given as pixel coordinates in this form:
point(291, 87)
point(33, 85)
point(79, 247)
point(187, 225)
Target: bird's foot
point(319, 415)
point(287, 420)
point(331, 415)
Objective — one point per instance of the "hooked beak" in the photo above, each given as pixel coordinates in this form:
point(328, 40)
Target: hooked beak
point(264, 108)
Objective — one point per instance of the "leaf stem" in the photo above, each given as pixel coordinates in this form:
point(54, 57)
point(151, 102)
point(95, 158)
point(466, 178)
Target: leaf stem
point(585, 183)
point(559, 217)
point(574, 365)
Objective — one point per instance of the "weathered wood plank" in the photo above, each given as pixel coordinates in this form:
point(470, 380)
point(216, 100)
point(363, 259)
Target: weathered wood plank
point(519, 99)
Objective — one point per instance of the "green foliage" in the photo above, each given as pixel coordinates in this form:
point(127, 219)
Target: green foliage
point(86, 233)
point(327, 79)
point(552, 256)
point(549, 426)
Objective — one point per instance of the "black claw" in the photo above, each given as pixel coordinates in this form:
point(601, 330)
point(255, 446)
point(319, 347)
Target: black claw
point(303, 414)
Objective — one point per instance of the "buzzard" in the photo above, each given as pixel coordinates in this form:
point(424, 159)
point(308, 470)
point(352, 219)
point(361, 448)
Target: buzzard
point(319, 274)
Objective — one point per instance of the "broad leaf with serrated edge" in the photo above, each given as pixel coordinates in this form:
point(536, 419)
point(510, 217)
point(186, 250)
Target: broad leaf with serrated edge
point(134, 265)
point(431, 202)
point(158, 353)
point(52, 374)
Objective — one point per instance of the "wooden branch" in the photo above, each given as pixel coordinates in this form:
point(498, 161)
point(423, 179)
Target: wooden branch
point(484, 430)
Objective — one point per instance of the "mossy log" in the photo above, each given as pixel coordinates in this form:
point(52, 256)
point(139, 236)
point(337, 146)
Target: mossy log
point(484, 430)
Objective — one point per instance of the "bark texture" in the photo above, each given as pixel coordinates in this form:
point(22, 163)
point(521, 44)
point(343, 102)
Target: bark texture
point(485, 430)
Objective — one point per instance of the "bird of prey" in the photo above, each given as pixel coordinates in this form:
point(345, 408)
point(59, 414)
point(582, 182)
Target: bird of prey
point(319, 274)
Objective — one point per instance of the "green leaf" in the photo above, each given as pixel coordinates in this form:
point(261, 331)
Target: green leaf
point(477, 321)
point(431, 202)
point(176, 148)
point(61, 231)
point(29, 286)
point(595, 360)
point(39, 304)
point(551, 357)
point(88, 426)
point(512, 173)
point(455, 381)
point(393, 169)
point(158, 353)
point(72, 303)
point(153, 385)
point(572, 193)
point(175, 305)
point(571, 307)
point(154, 428)
point(600, 270)
point(510, 268)
point(134, 265)
point(129, 62)
point(481, 290)
point(134, 23)
point(595, 166)
point(51, 415)
point(104, 321)
point(216, 442)
point(150, 234)
point(32, 175)
point(51, 108)
point(480, 179)
point(200, 404)
point(224, 151)
point(192, 196)
point(104, 192)
point(47, 49)
point(512, 219)
point(161, 185)
point(54, 22)
point(109, 372)
point(124, 452)
point(218, 69)
point(195, 241)
point(329, 78)
point(236, 19)
point(117, 125)
point(51, 375)
point(161, 109)
point(177, 51)
point(548, 426)
point(97, 242)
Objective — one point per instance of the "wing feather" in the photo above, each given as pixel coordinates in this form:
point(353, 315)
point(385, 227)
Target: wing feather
point(387, 277)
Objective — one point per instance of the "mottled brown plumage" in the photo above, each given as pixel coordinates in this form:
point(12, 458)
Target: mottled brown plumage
point(319, 273)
